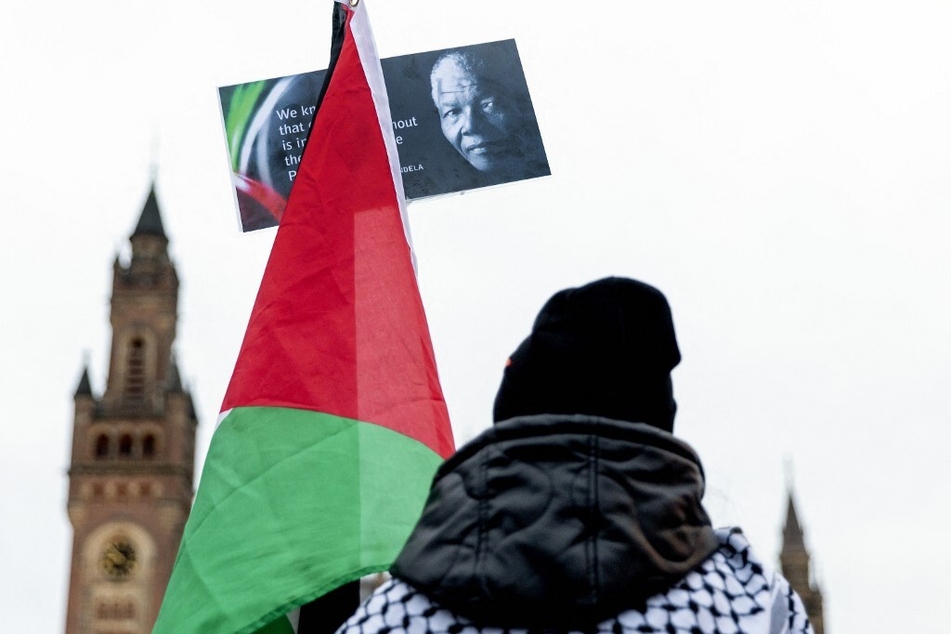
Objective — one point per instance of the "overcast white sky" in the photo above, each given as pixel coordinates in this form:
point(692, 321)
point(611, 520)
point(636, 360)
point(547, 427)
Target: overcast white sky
point(779, 169)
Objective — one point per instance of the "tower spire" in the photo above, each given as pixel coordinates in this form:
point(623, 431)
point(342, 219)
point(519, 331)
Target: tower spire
point(150, 220)
point(793, 538)
point(796, 564)
point(85, 387)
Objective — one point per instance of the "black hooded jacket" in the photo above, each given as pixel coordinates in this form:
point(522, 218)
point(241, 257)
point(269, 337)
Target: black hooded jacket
point(559, 521)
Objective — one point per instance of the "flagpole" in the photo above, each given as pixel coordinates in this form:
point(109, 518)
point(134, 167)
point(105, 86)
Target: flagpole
point(326, 613)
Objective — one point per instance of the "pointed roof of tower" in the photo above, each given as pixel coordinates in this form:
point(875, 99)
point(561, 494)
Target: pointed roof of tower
point(150, 222)
point(793, 537)
point(796, 565)
point(85, 387)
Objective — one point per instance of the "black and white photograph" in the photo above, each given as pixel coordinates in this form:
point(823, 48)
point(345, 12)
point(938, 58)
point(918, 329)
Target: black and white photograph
point(464, 119)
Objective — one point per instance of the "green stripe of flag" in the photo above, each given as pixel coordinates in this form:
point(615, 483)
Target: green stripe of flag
point(257, 496)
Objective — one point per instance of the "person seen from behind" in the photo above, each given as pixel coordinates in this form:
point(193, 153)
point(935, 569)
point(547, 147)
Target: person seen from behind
point(579, 510)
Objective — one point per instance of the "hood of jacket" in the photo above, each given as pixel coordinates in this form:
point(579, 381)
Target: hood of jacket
point(555, 521)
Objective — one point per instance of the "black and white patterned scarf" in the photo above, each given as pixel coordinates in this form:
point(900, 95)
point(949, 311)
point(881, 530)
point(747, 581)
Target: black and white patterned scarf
point(729, 593)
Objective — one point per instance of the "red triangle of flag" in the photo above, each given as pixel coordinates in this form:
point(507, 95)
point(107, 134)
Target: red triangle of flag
point(338, 324)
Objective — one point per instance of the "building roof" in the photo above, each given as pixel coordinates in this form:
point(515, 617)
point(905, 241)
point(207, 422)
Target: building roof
point(84, 388)
point(792, 530)
point(150, 222)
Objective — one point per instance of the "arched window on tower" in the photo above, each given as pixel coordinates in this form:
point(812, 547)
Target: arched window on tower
point(135, 369)
point(102, 446)
point(148, 446)
point(125, 445)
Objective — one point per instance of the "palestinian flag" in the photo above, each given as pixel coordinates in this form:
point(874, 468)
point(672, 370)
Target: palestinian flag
point(334, 422)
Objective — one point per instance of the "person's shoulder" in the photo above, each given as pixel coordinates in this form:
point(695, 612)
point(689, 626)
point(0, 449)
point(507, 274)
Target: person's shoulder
point(732, 590)
point(767, 586)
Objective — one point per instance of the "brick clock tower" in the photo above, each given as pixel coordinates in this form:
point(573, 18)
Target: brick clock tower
point(130, 477)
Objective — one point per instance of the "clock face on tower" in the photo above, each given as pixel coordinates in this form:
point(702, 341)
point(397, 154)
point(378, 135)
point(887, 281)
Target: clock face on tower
point(118, 559)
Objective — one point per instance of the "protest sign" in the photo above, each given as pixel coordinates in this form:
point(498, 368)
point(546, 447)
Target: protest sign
point(463, 119)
